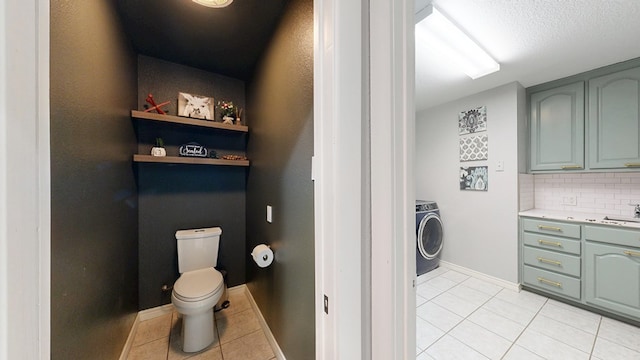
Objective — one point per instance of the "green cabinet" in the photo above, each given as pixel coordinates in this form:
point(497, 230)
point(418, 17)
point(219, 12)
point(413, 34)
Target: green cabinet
point(550, 254)
point(587, 122)
point(614, 120)
point(557, 128)
point(593, 265)
point(613, 278)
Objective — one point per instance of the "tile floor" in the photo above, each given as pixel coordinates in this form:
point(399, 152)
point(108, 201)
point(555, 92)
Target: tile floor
point(462, 317)
point(238, 335)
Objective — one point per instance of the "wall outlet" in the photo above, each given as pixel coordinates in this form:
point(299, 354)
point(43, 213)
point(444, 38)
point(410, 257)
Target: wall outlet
point(569, 200)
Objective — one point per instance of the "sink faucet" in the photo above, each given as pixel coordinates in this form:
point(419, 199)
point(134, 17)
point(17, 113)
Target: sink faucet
point(636, 210)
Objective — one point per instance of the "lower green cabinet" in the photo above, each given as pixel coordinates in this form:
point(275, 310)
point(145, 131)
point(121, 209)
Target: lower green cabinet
point(590, 264)
point(612, 279)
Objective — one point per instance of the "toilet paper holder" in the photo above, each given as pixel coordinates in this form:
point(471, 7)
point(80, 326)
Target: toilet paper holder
point(262, 255)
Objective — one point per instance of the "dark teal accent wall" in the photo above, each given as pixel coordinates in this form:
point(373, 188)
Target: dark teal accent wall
point(94, 262)
point(280, 148)
point(176, 197)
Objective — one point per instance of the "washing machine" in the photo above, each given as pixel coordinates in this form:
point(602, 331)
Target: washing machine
point(428, 236)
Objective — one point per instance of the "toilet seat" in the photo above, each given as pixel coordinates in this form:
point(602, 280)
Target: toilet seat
point(198, 285)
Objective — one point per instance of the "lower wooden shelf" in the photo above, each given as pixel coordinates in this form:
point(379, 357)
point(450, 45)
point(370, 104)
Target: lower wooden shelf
point(188, 160)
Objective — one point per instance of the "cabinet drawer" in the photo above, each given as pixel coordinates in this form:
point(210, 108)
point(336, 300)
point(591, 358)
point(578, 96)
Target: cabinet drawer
point(554, 261)
point(552, 228)
point(610, 235)
point(552, 282)
point(557, 243)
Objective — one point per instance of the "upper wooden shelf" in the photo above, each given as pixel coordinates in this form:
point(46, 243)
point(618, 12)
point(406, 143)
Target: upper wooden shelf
point(187, 121)
point(187, 160)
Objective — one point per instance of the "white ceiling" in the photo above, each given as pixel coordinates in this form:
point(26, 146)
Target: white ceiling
point(534, 41)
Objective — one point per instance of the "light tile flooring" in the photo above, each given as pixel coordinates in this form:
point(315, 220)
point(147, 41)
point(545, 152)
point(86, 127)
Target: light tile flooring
point(462, 317)
point(238, 336)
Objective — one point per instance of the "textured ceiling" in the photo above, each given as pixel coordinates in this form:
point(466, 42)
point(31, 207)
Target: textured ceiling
point(227, 41)
point(535, 41)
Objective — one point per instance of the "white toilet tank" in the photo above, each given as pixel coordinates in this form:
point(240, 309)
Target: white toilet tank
point(198, 248)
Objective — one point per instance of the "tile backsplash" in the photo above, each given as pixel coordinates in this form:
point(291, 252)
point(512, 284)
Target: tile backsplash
point(598, 193)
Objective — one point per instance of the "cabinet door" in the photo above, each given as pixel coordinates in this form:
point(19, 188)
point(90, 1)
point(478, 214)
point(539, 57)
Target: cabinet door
point(613, 278)
point(557, 128)
point(614, 120)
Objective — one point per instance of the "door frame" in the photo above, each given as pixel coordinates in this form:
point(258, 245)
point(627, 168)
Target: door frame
point(25, 220)
point(363, 169)
point(381, 237)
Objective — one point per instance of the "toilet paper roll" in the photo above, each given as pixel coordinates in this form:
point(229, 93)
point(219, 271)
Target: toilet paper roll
point(262, 255)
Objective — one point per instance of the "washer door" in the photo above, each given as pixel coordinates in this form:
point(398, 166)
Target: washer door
point(430, 236)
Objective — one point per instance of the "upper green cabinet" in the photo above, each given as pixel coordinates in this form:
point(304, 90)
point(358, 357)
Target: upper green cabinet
point(614, 120)
point(557, 128)
point(587, 122)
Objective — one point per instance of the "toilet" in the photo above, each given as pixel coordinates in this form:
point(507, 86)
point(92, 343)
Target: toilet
point(199, 286)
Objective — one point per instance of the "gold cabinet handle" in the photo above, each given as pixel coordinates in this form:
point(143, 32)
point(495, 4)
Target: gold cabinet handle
point(546, 242)
point(549, 282)
point(547, 261)
point(570, 167)
point(632, 253)
point(552, 228)
point(632, 164)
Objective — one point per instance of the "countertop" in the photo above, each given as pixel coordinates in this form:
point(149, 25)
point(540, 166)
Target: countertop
point(584, 218)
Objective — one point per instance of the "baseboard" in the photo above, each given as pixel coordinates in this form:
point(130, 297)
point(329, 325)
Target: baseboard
point(263, 324)
point(488, 278)
point(132, 332)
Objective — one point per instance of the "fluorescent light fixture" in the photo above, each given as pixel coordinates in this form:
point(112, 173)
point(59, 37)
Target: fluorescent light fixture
point(213, 3)
point(437, 32)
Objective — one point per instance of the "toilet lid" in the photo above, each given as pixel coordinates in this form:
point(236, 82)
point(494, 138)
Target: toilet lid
point(198, 284)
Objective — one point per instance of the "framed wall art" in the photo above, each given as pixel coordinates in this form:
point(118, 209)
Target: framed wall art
point(474, 178)
point(472, 121)
point(474, 147)
point(195, 106)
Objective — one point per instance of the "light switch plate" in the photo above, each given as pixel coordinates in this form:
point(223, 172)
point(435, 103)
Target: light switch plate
point(269, 214)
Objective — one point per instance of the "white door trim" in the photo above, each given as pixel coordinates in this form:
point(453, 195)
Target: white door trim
point(392, 179)
point(338, 174)
point(343, 44)
point(24, 181)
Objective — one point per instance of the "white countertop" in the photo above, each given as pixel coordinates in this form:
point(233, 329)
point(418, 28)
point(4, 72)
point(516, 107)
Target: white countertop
point(577, 217)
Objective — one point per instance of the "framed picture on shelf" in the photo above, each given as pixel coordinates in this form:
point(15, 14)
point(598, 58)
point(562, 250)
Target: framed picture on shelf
point(195, 106)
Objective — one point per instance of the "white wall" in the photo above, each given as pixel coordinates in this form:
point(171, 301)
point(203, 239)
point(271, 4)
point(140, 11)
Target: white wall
point(480, 228)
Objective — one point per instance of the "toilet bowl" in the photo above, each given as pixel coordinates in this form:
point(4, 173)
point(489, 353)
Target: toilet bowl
point(194, 295)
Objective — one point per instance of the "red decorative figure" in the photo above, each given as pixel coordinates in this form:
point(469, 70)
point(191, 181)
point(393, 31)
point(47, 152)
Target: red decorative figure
point(155, 107)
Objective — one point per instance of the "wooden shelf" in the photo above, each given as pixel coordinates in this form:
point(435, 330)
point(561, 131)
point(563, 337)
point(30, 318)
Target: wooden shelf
point(187, 121)
point(187, 160)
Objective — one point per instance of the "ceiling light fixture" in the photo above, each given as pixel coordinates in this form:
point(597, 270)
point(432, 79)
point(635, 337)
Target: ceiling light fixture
point(443, 36)
point(213, 3)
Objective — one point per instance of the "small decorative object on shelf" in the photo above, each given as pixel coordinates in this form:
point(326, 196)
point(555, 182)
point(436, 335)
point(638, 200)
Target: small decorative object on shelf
point(234, 157)
point(154, 106)
point(238, 116)
point(193, 149)
point(227, 111)
point(159, 149)
point(195, 106)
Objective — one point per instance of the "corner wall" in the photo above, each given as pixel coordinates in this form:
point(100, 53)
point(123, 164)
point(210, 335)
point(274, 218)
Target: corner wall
point(480, 227)
point(94, 272)
point(280, 150)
